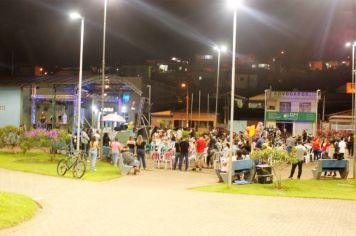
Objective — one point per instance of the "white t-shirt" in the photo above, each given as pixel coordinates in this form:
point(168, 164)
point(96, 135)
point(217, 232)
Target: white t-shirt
point(342, 146)
point(301, 150)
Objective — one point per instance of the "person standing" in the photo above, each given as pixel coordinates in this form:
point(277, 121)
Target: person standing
point(290, 143)
point(316, 148)
point(342, 149)
point(43, 120)
point(200, 147)
point(211, 152)
point(140, 150)
point(350, 145)
point(94, 146)
point(184, 151)
point(97, 136)
point(106, 146)
point(336, 149)
point(115, 151)
point(85, 141)
point(131, 144)
point(304, 136)
point(178, 157)
point(301, 151)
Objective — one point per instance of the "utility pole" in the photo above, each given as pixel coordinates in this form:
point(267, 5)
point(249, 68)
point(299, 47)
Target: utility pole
point(207, 122)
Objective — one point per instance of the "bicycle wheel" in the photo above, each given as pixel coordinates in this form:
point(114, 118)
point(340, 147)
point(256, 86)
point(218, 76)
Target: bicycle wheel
point(62, 167)
point(79, 169)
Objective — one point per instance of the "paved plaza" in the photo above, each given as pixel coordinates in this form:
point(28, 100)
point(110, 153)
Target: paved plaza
point(159, 202)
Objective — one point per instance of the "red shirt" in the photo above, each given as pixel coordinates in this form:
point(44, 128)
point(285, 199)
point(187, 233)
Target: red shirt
point(325, 147)
point(316, 144)
point(200, 145)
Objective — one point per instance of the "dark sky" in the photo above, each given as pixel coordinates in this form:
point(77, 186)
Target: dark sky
point(40, 32)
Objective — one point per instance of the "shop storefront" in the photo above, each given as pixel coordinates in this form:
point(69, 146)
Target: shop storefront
point(292, 111)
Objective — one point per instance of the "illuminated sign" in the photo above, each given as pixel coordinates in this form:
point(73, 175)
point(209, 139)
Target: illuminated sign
point(297, 116)
point(350, 88)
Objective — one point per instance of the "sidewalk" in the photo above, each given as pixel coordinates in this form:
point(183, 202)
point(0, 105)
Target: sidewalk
point(158, 202)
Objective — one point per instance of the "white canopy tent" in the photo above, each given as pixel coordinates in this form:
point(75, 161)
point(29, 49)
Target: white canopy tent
point(114, 117)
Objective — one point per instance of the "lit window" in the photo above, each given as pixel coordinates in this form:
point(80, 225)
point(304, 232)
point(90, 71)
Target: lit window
point(285, 107)
point(263, 66)
point(255, 105)
point(305, 107)
point(163, 68)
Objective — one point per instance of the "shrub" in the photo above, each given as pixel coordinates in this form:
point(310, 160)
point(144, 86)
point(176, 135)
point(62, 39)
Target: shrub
point(52, 140)
point(10, 137)
point(276, 157)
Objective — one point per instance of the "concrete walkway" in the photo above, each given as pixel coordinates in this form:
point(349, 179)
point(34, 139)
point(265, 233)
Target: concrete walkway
point(159, 202)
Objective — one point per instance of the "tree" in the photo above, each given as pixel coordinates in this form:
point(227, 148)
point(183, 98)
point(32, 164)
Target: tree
point(277, 158)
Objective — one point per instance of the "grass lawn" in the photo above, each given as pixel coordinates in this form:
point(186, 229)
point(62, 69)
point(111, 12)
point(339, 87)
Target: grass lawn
point(39, 163)
point(326, 189)
point(15, 208)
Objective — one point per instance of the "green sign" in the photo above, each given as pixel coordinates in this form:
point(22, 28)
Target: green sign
point(297, 116)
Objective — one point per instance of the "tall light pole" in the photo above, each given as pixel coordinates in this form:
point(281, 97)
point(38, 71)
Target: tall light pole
point(149, 103)
point(265, 113)
point(317, 109)
point(103, 80)
point(207, 122)
point(191, 111)
point(75, 15)
point(234, 4)
point(219, 49)
point(199, 97)
point(184, 85)
point(353, 90)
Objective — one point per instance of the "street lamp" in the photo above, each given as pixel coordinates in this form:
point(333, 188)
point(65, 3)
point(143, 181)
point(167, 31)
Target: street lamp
point(233, 4)
point(184, 85)
point(353, 71)
point(76, 16)
point(103, 79)
point(219, 49)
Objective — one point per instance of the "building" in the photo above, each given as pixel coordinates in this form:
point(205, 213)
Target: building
point(339, 121)
point(10, 106)
point(170, 119)
point(293, 111)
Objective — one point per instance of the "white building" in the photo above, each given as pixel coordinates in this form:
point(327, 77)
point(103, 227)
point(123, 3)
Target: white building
point(294, 111)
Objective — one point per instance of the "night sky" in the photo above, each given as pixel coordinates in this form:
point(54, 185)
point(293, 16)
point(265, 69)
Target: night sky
point(40, 32)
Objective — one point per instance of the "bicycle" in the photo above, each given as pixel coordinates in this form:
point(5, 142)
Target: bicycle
point(74, 163)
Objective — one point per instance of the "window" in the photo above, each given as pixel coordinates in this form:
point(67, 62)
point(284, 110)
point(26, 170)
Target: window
point(285, 107)
point(163, 68)
point(239, 103)
point(255, 105)
point(305, 107)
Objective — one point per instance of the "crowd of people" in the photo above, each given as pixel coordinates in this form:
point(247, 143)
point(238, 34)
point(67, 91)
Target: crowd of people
point(184, 149)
